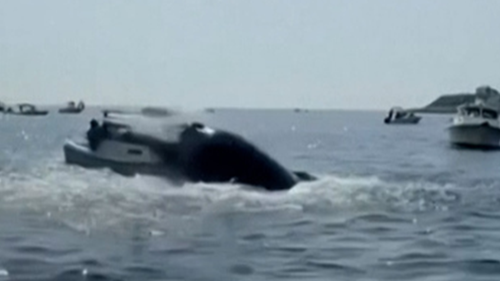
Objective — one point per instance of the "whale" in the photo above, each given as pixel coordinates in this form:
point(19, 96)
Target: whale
point(208, 155)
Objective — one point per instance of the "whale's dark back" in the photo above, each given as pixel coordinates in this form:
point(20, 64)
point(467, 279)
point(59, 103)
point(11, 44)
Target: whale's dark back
point(225, 157)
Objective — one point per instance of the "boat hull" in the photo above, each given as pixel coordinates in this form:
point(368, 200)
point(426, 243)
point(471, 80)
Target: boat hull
point(481, 136)
point(82, 155)
point(70, 110)
point(404, 121)
point(34, 113)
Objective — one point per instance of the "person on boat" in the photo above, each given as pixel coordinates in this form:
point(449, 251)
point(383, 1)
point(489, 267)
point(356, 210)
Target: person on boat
point(96, 134)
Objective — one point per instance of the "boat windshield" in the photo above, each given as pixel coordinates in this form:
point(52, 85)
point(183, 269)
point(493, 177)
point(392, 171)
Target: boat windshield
point(490, 114)
point(403, 114)
point(478, 112)
point(26, 107)
point(472, 111)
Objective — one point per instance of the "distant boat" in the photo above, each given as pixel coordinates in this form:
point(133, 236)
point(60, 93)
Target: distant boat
point(156, 111)
point(399, 116)
point(476, 125)
point(71, 108)
point(26, 109)
point(148, 111)
point(300, 110)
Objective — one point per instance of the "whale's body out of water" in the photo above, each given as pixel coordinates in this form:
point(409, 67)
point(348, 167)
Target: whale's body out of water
point(391, 203)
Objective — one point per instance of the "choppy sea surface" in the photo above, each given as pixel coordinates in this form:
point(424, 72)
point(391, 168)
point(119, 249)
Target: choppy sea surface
point(391, 203)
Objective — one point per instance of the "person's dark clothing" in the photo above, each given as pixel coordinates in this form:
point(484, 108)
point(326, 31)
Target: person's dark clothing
point(96, 134)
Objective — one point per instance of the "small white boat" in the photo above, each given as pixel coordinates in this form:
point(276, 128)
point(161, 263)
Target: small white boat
point(398, 115)
point(123, 158)
point(475, 125)
point(124, 152)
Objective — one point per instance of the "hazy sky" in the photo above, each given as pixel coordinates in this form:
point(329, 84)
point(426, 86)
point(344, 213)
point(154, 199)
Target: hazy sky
point(254, 53)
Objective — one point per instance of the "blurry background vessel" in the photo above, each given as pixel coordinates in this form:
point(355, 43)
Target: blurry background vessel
point(398, 115)
point(72, 108)
point(26, 109)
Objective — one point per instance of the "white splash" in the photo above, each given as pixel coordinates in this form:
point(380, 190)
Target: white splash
point(87, 200)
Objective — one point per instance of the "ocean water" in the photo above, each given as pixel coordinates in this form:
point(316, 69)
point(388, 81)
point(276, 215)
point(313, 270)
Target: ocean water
point(391, 203)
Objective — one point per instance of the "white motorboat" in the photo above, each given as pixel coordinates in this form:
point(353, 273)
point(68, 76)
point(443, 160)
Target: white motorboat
point(476, 125)
point(397, 115)
point(123, 157)
point(122, 151)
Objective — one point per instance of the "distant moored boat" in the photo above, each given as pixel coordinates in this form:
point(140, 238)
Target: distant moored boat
point(26, 109)
point(71, 108)
point(398, 116)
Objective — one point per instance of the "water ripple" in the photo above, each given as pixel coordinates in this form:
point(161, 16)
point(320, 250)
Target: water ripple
point(410, 209)
point(336, 267)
